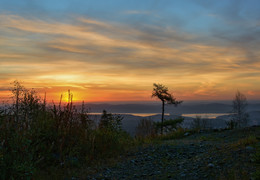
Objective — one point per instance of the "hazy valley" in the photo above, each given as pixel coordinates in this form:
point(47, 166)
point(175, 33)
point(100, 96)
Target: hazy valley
point(133, 113)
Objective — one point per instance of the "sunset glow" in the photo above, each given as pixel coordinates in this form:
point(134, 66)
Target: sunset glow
point(115, 51)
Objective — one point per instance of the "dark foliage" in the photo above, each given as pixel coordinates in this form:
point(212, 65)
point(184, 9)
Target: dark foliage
point(34, 137)
point(169, 125)
point(111, 122)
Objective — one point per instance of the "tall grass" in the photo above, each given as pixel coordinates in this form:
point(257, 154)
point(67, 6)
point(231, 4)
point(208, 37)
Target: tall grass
point(34, 137)
point(145, 128)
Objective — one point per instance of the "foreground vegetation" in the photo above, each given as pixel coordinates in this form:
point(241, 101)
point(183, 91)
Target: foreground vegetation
point(59, 141)
point(37, 140)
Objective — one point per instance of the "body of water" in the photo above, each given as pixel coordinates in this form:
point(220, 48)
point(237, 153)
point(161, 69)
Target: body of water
point(133, 114)
point(202, 115)
point(205, 115)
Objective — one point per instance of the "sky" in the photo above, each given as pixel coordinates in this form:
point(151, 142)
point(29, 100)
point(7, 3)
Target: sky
point(115, 50)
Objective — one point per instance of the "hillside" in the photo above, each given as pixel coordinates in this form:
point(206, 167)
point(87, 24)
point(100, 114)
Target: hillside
point(130, 122)
point(208, 155)
point(185, 107)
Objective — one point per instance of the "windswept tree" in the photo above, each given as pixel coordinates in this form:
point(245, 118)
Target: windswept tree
point(161, 92)
point(239, 112)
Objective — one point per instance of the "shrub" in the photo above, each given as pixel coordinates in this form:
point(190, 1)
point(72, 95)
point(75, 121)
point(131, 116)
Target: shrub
point(256, 159)
point(34, 138)
point(245, 141)
point(110, 143)
point(110, 122)
point(169, 125)
point(231, 124)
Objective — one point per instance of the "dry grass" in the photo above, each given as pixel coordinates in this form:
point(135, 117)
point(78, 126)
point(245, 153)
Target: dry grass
point(250, 140)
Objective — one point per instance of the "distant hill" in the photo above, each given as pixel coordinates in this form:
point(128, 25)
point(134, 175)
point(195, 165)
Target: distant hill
point(156, 108)
point(130, 122)
point(124, 108)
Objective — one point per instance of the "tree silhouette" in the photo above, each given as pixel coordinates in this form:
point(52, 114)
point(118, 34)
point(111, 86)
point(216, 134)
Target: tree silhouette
point(239, 113)
point(161, 92)
point(17, 91)
point(110, 122)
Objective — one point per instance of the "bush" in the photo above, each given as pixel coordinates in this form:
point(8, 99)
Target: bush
point(231, 124)
point(169, 125)
point(34, 138)
point(110, 122)
point(256, 159)
point(110, 143)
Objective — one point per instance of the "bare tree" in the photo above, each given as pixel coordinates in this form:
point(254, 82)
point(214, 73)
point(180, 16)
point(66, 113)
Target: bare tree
point(161, 92)
point(200, 123)
point(18, 91)
point(239, 112)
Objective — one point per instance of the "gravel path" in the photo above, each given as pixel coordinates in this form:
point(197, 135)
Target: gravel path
point(215, 155)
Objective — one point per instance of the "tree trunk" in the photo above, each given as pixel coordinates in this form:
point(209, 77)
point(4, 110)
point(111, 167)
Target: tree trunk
point(162, 117)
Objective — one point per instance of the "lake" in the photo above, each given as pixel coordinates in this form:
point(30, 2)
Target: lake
point(202, 115)
point(205, 115)
point(134, 114)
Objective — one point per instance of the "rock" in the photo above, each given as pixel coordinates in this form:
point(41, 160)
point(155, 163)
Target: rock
point(143, 175)
point(151, 174)
point(158, 172)
point(218, 147)
point(183, 174)
point(186, 134)
point(249, 148)
point(210, 165)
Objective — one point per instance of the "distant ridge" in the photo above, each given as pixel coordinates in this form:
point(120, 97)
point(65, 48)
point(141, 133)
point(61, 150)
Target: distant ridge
point(156, 108)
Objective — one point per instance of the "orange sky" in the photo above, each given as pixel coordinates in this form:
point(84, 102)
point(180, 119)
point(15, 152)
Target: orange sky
point(115, 59)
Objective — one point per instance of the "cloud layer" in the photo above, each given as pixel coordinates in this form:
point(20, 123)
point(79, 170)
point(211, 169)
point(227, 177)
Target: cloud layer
point(104, 60)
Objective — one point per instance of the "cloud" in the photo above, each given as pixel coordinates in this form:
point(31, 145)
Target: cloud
point(91, 54)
